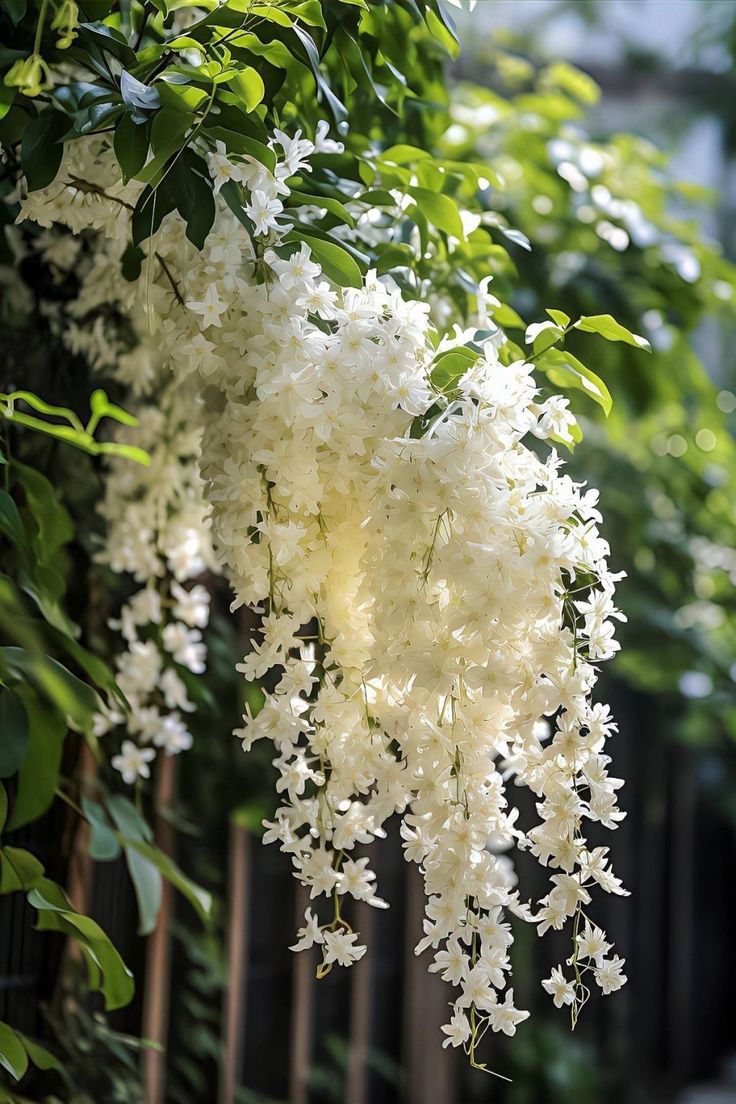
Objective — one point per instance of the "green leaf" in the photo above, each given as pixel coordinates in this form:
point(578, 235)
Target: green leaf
point(245, 145)
point(130, 143)
point(565, 370)
point(39, 772)
point(507, 317)
point(559, 317)
point(336, 262)
point(103, 843)
point(13, 733)
point(106, 970)
point(440, 210)
point(42, 1058)
point(52, 520)
point(19, 869)
point(190, 186)
point(403, 154)
point(248, 85)
point(11, 524)
point(607, 326)
point(3, 806)
point(109, 40)
point(13, 1055)
point(144, 874)
point(72, 697)
point(92, 665)
point(7, 96)
point(333, 206)
point(41, 148)
point(131, 262)
point(572, 80)
point(168, 130)
point(150, 209)
point(449, 367)
point(184, 98)
point(15, 10)
point(199, 898)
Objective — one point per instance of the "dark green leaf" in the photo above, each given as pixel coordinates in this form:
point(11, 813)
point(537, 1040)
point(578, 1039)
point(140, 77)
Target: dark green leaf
point(19, 869)
point(41, 148)
point(190, 187)
point(130, 143)
point(336, 262)
point(13, 733)
point(106, 969)
point(39, 772)
point(52, 519)
point(13, 1055)
point(42, 1058)
point(14, 9)
point(72, 697)
point(11, 524)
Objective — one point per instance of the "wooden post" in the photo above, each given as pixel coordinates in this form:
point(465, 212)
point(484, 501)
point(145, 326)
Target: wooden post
point(155, 1020)
point(360, 1010)
point(237, 956)
point(431, 1070)
point(301, 1009)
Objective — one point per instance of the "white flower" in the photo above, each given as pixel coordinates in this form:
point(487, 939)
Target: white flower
point(132, 762)
point(297, 150)
point(309, 934)
point(342, 947)
point(263, 211)
point(592, 943)
point(457, 1031)
point(191, 606)
point(172, 735)
point(185, 646)
point(609, 974)
point(452, 963)
point(323, 144)
point(504, 1017)
point(559, 988)
point(174, 691)
point(211, 307)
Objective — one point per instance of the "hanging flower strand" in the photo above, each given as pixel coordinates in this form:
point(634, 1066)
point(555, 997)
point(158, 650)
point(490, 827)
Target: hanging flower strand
point(434, 607)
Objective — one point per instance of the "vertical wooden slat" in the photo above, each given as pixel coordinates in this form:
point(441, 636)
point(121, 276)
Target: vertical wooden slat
point(155, 1020)
point(301, 1009)
point(360, 1010)
point(431, 1070)
point(237, 955)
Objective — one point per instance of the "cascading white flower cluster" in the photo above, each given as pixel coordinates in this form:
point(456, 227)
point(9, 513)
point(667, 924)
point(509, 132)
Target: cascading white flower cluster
point(156, 531)
point(435, 599)
point(156, 521)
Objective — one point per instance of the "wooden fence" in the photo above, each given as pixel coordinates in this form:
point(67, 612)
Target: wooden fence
point(371, 1035)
